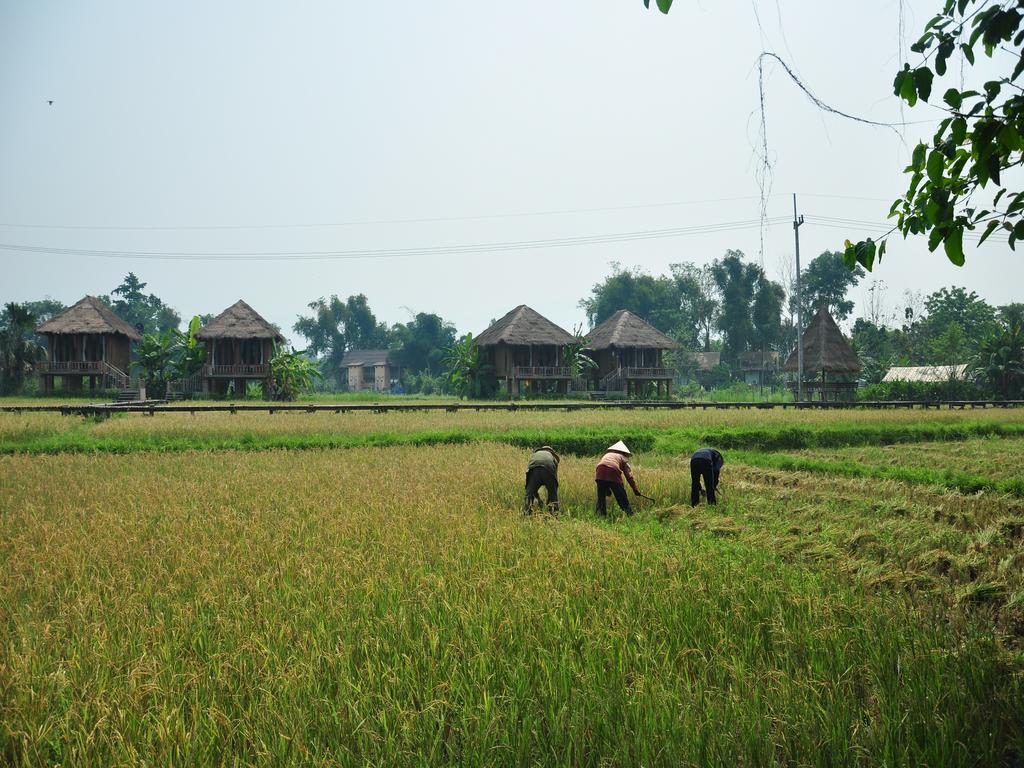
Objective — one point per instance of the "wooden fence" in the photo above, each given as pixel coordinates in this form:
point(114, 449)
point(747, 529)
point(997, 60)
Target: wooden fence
point(153, 408)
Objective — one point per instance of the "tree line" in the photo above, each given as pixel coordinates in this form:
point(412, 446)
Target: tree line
point(730, 306)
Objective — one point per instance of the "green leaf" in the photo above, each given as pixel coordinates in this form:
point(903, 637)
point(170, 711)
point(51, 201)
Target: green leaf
point(953, 97)
point(936, 164)
point(917, 160)
point(664, 5)
point(959, 130)
point(923, 81)
point(954, 245)
point(992, 226)
point(968, 53)
point(903, 85)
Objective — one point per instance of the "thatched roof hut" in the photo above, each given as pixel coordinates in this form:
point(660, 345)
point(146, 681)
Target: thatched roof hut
point(524, 327)
point(826, 350)
point(89, 315)
point(624, 329)
point(525, 349)
point(239, 321)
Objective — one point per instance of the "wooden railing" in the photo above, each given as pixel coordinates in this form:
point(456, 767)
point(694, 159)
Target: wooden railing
point(261, 371)
point(648, 373)
point(542, 372)
point(112, 376)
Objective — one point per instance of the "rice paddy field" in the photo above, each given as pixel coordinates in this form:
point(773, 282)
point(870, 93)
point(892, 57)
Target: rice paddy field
point(362, 589)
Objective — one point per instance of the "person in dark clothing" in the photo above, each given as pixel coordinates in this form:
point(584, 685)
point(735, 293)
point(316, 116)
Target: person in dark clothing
point(542, 472)
point(706, 463)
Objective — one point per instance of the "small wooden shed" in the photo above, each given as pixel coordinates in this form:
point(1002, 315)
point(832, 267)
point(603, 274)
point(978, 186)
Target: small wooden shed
point(87, 342)
point(830, 364)
point(369, 369)
point(239, 345)
point(759, 366)
point(629, 355)
point(525, 350)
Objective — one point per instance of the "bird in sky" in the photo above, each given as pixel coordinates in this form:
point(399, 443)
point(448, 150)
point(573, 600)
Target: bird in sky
point(50, 102)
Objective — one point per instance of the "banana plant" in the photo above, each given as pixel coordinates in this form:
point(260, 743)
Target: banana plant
point(292, 373)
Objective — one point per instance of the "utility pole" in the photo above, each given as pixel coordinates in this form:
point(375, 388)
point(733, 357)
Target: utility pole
point(797, 221)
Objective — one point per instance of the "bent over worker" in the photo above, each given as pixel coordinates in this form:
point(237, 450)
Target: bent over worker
point(542, 471)
point(610, 470)
point(705, 463)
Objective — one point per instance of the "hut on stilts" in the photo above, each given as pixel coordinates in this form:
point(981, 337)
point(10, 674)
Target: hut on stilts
point(830, 364)
point(87, 343)
point(525, 352)
point(629, 355)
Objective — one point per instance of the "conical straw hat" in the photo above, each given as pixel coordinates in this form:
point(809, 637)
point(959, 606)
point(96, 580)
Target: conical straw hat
point(621, 448)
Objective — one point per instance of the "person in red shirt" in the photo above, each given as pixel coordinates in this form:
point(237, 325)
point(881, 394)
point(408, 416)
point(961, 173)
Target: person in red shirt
point(610, 470)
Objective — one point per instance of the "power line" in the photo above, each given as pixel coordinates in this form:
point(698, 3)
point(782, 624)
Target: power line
point(383, 253)
point(373, 222)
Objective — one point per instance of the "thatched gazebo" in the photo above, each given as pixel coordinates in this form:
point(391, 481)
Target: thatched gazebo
point(526, 350)
point(239, 345)
point(830, 364)
point(628, 352)
point(87, 341)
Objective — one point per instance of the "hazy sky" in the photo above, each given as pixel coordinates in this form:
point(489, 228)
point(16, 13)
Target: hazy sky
point(248, 128)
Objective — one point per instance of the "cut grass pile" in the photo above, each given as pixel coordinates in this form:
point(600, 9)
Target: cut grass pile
point(389, 606)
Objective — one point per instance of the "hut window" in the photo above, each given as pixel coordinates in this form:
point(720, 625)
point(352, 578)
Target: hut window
point(368, 374)
point(252, 352)
point(65, 348)
point(93, 348)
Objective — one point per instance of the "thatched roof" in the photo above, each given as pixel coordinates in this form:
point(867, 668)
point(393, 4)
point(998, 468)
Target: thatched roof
point(361, 357)
point(825, 348)
point(89, 315)
point(707, 361)
point(524, 326)
point(239, 321)
point(624, 329)
point(926, 372)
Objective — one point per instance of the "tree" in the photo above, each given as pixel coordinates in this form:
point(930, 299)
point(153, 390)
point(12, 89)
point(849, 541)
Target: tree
point(650, 298)
point(827, 280)
point(736, 281)
point(974, 146)
point(292, 372)
point(1000, 361)
point(156, 361)
point(956, 322)
point(578, 361)
point(465, 367)
point(697, 305)
point(42, 310)
point(1011, 314)
point(18, 349)
point(191, 353)
point(337, 326)
point(766, 313)
point(420, 344)
point(139, 309)
point(873, 344)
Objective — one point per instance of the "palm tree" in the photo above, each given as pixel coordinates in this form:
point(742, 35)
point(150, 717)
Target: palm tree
point(18, 351)
point(1000, 361)
point(578, 361)
point(465, 367)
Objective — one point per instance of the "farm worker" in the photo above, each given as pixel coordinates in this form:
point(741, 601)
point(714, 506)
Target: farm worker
point(542, 470)
point(610, 469)
point(706, 463)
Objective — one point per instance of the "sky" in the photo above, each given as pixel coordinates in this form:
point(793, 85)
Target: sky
point(402, 137)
